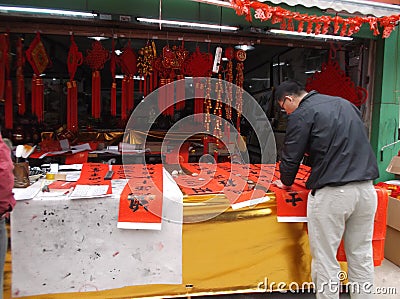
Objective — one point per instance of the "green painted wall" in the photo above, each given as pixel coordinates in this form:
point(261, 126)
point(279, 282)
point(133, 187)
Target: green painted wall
point(386, 98)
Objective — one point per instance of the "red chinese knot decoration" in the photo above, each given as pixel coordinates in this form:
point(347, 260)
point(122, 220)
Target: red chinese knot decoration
point(95, 59)
point(331, 80)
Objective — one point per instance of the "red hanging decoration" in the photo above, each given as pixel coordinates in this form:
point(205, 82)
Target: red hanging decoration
point(20, 77)
point(229, 54)
point(39, 60)
point(180, 92)
point(170, 97)
point(75, 59)
point(113, 65)
point(162, 95)
point(145, 61)
point(95, 59)
point(388, 24)
point(8, 105)
point(3, 62)
point(170, 66)
point(265, 12)
point(128, 63)
point(331, 80)
point(240, 57)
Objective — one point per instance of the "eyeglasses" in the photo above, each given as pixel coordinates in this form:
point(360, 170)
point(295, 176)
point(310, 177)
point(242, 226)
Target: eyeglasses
point(283, 102)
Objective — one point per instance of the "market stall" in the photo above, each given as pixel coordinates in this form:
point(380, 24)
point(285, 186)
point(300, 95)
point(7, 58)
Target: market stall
point(203, 247)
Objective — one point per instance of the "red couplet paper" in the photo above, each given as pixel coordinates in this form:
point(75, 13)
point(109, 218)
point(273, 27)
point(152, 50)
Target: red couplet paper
point(291, 206)
point(93, 174)
point(230, 179)
point(140, 205)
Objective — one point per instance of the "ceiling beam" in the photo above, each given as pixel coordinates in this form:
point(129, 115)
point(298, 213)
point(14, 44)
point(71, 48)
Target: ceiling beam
point(118, 29)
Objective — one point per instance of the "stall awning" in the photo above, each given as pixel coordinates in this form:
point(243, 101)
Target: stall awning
point(364, 7)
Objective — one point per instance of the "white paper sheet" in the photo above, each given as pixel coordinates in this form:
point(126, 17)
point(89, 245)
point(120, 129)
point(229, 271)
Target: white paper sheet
point(75, 245)
point(89, 191)
point(27, 193)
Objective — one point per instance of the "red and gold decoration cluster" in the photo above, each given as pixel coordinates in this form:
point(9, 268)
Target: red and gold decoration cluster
point(312, 23)
point(170, 68)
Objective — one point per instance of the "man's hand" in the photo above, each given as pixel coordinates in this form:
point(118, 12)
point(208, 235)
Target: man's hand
point(279, 184)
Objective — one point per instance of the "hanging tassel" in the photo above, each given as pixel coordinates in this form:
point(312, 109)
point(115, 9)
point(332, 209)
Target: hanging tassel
point(145, 86)
point(72, 106)
point(96, 96)
point(162, 97)
point(9, 111)
point(69, 105)
point(3, 62)
point(74, 102)
point(130, 100)
point(155, 80)
point(114, 99)
point(123, 98)
point(170, 97)
point(33, 95)
point(141, 82)
point(21, 95)
point(151, 81)
point(198, 100)
point(39, 98)
point(113, 66)
point(180, 93)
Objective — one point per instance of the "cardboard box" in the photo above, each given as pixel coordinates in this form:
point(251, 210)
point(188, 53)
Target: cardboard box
point(392, 242)
point(394, 166)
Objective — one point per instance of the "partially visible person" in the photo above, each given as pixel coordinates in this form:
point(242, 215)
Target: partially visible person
point(342, 202)
point(7, 202)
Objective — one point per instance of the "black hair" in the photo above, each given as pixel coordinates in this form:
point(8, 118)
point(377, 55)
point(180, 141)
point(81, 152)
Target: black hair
point(288, 87)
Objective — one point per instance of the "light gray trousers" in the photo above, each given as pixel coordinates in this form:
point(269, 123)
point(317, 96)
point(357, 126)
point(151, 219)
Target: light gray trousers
point(342, 212)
